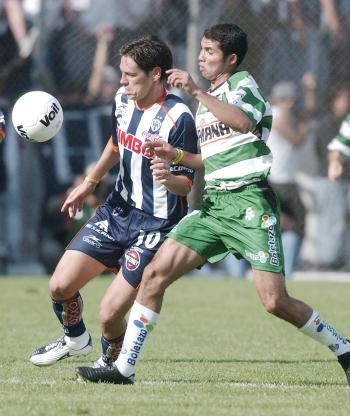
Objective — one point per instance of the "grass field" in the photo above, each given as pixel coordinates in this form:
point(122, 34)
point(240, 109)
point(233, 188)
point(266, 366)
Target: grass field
point(214, 352)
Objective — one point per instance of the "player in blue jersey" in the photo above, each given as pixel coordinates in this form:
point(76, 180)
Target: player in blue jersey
point(148, 200)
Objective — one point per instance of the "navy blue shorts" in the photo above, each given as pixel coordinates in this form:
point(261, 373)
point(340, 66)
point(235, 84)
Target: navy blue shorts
point(119, 234)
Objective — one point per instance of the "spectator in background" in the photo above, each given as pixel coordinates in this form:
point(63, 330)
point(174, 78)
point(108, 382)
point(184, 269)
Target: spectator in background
point(288, 133)
point(16, 45)
point(337, 17)
point(174, 30)
point(339, 150)
point(96, 29)
point(285, 41)
point(300, 40)
point(330, 241)
point(104, 79)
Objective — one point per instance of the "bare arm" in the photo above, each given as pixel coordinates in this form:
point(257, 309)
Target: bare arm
point(335, 165)
point(295, 132)
point(309, 84)
point(226, 113)
point(332, 19)
point(75, 199)
point(16, 19)
point(166, 151)
point(104, 38)
point(297, 20)
point(179, 185)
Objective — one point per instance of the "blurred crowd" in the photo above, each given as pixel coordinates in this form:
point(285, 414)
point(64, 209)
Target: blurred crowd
point(299, 53)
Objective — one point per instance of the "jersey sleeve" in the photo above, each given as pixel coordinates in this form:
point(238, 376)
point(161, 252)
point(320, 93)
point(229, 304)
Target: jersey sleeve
point(184, 136)
point(248, 98)
point(341, 141)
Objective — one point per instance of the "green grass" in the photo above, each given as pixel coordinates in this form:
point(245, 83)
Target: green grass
point(215, 351)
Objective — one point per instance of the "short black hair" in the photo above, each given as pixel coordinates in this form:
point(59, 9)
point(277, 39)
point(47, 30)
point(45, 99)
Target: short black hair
point(149, 52)
point(231, 38)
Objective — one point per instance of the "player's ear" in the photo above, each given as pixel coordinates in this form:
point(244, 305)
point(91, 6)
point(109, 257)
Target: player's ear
point(157, 73)
point(232, 59)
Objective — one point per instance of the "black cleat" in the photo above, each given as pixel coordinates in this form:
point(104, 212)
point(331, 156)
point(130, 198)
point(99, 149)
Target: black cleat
point(103, 375)
point(344, 361)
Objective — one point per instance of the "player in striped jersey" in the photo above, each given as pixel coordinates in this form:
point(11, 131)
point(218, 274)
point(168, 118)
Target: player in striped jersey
point(239, 213)
point(148, 200)
point(338, 148)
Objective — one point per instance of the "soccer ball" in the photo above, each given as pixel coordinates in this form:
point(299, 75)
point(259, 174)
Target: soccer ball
point(37, 116)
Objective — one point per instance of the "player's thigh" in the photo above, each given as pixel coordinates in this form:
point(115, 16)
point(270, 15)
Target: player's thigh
point(172, 261)
point(118, 299)
point(73, 271)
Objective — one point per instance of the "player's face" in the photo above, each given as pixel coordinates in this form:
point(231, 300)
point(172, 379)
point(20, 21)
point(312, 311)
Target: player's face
point(211, 62)
point(137, 83)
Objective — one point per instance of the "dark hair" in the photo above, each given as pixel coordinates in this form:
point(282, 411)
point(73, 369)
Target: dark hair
point(149, 52)
point(231, 38)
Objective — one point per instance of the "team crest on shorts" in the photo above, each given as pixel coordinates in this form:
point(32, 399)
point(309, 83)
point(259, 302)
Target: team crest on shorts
point(132, 258)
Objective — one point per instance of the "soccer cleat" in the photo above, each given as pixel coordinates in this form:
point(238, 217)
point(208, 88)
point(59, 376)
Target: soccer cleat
point(58, 350)
point(344, 361)
point(103, 375)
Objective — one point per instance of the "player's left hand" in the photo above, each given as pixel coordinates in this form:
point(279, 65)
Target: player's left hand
point(160, 170)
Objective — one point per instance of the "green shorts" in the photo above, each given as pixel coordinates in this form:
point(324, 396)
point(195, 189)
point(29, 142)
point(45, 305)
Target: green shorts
point(244, 221)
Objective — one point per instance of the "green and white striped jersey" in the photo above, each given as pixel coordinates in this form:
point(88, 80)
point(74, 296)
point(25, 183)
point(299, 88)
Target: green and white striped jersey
point(233, 159)
point(341, 141)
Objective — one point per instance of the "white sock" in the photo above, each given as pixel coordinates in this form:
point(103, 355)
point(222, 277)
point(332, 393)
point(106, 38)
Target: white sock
point(77, 343)
point(141, 322)
point(322, 332)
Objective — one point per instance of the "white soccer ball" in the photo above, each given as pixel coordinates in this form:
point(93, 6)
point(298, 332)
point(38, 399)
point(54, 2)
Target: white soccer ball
point(37, 116)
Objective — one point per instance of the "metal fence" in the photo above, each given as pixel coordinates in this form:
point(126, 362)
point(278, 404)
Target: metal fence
point(71, 49)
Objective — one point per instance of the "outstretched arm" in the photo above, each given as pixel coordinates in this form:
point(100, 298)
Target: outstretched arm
point(166, 151)
point(75, 199)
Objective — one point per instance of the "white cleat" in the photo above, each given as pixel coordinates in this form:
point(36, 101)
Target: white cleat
point(58, 350)
point(103, 363)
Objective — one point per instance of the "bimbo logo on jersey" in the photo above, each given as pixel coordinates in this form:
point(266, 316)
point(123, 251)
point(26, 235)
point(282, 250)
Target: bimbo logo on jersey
point(131, 142)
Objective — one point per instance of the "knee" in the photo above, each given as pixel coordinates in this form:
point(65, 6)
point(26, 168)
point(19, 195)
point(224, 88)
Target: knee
point(275, 305)
point(153, 281)
point(59, 290)
point(107, 314)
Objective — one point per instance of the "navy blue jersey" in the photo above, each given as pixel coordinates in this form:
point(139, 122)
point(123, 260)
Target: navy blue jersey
point(170, 120)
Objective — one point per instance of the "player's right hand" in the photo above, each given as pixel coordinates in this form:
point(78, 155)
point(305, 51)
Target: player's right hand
point(74, 201)
point(160, 149)
point(182, 79)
